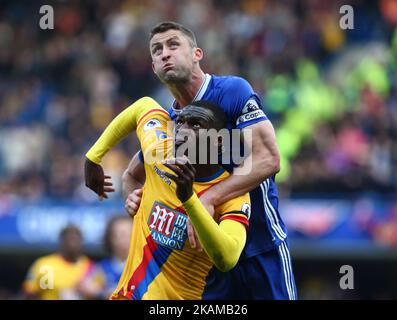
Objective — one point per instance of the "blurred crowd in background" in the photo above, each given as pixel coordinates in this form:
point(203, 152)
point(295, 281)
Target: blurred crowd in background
point(69, 273)
point(335, 118)
point(330, 93)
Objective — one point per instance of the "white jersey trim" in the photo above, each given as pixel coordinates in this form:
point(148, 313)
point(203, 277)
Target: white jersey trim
point(199, 95)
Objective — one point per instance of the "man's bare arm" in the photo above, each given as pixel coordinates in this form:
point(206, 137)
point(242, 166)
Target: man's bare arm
point(262, 163)
point(133, 177)
point(133, 180)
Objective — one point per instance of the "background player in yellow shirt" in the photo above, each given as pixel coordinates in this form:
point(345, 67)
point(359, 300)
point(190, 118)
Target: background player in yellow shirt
point(161, 263)
point(58, 276)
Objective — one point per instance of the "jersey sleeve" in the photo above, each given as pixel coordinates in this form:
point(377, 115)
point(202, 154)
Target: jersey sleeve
point(135, 117)
point(244, 105)
point(152, 126)
point(237, 209)
point(224, 242)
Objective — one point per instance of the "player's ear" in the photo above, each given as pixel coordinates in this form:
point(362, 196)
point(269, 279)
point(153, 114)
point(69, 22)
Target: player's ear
point(198, 54)
point(154, 70)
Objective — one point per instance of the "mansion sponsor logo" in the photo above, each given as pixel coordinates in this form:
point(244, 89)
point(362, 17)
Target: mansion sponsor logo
point(168, 226)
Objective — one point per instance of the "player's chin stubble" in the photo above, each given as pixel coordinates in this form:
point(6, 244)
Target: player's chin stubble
point(174, 77)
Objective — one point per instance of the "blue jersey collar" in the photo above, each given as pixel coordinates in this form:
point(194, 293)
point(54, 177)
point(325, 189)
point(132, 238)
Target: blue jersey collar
point(199, 95)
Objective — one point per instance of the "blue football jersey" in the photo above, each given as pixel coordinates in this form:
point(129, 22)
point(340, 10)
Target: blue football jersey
point(243, 108)
point(111, 270)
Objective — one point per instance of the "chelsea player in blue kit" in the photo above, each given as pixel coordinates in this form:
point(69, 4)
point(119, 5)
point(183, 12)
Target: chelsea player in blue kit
point(264, 270)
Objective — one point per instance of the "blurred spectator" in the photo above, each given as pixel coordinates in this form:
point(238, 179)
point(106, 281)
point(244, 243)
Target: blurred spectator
point(57, 276)
point(59, 88)
point(105, 278)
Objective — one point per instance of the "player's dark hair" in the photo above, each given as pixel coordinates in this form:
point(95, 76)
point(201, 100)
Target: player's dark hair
point(109, 230)
point(171, 25)
point(220, 115)
point(69, 229)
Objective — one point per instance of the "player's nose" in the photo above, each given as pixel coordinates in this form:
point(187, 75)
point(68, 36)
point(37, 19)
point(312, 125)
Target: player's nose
point(165, 54)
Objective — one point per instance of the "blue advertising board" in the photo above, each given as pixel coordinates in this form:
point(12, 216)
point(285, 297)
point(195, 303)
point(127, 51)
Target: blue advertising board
point(37, 225)
point(332, 223)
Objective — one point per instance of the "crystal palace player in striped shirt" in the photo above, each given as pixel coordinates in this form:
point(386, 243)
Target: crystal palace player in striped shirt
point(161, 264)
